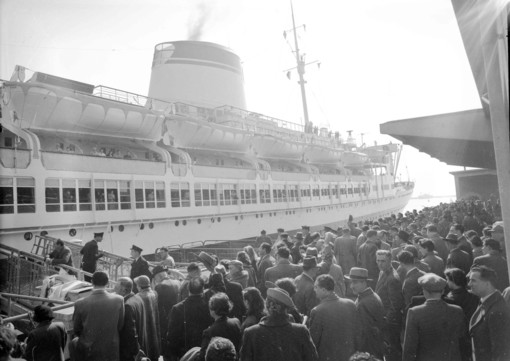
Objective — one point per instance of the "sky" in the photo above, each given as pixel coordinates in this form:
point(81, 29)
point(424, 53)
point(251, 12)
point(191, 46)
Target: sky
point(379, 60)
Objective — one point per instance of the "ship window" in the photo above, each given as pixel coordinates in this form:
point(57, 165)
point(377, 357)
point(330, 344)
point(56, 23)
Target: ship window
point(150, 198)
point(316, 191)
point(112, 195)
point(25, 193)
point(52, 195)
point(294, 193)
point(160, 195)
point(205, 195)
point(6, 195)
point(248, 194)
point(228, 195)
point(69, 194)
point(139, 196)
point(265, 194)
point(99, 195)
point(180, 194)
point(349, 189)
point(84, 195)
point(125, 195)
point(198, 195)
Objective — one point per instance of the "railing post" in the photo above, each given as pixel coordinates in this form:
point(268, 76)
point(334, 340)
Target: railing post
point(9, 306)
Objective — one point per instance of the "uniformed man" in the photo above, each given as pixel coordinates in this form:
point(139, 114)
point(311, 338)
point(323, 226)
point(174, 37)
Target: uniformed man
point(139, 267)
point(90, 255)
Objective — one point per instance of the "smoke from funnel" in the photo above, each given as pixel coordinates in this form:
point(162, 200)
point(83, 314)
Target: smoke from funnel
point(197, 24)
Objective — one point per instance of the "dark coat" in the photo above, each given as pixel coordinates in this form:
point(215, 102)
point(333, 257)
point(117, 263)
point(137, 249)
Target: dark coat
point(90, 253)
point(495, 261)
point(140, 267)
point(235, 294)
point(305, 298)
point(459, 259)
point(389, 290)
point(229, 328)
point(367, 259)
point(97, 321)
point(188, 320)
point(168, 296)
point(132, 334)
point(262, 265)
point(371, 321)
point(277, 340)
point(434, 331)
point(63, 256)
point(489, 329)
point(151, 345)
point(410, 286)
point(435, 263)
point(282, 269)
point(46, 342)
point(332, 328)
point(465, 299)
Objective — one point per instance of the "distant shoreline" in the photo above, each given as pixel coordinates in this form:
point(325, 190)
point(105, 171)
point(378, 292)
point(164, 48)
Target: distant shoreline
point(429, 196)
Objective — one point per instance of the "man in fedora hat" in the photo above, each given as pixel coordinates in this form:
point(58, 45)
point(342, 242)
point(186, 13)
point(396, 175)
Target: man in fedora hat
point(48, 340)
point(370, 313)
point(90, 255)
point(434, 330)
point(275, 337)
point(209, 261)
point(305, 297)
point(140, 266)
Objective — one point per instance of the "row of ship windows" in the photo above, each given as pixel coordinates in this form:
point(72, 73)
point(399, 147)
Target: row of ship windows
point(17, 195)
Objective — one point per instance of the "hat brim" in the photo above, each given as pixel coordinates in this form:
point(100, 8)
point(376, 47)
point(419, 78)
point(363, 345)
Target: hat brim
point(355, 278)
point(269, 284)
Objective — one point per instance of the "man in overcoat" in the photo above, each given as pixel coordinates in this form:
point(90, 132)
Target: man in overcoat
point(90, 255)
point(333, 323)
point(305, 298)
point(266, 261)
point(48, 340)
point(139, 267)
point(152, 343)
point(283, 267)
point(434, 330)
point(97, 322)
point(493, 258)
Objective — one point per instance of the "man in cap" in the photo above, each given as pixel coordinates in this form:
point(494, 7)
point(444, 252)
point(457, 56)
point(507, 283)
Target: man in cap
point(140, 266)
point(152, 344)
point(294, 250)
point(389, 290)
point(497, 232)
point(457, 258)
point(345, 250)
point(489, 326)
point(370, 313)
point(494, 259)
point(167, 291)
point(90, 255)
point(98, 320)
point(237, 273)
point(434, 330)
point(48, 340)
point(283, 267)
point(307, 239)
point(332, 322)
point(275, 337)
point(167, 261)
point(305, 297)
point(133, 334)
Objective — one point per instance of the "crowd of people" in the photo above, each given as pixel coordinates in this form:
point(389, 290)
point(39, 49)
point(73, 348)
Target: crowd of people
point(428, 285)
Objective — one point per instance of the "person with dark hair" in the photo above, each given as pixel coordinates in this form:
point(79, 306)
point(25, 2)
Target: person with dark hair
point(389, 289)
point(333, 322)
point(400, 241)
point(477, 244)
point(234, 292)
point(464, 245)
point(345, 250)
point(275, 337)
point(133, 334)
point(327, 266)
point(283, 268)
point(193, 271)
point(305, 298)
point(370, 312)
point(223, 326)
point(252, 263)
point(459, 295)
point(220, 349)
point(255, 308)
point(362, 237)
point(410, 286)
point(434, 330)
point(216, 285)
point(494, 259)
point(188, 320)
point(489, 326)
point(439, 243)
point(90, 255)
point(367, 258)
point(48, 340)
point(265, 261)
point(139, 267)
point(61, 254)
point(98, 320)
point(434, 262)
point(457, 258)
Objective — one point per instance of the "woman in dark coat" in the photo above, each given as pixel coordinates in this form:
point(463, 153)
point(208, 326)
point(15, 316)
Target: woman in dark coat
point(255, 308)
point(223, 326)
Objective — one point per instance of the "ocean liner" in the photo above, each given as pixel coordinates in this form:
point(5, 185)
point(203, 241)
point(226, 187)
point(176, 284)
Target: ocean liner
point(186, 163)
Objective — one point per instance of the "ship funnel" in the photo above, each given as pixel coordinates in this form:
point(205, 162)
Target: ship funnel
point(197, 73)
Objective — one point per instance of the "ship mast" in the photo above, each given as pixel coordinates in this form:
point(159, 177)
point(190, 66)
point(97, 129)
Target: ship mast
point(301, 70)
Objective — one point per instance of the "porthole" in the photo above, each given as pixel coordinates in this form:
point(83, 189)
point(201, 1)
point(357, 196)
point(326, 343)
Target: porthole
point(151, 225)
point(176, 223)
point(142, 226)
point(219, 219)
point(44, 233)
point(121, 228)
point(236, 218)
point(256, 216)
point(212, 219)
point(111, 229)
point(199, 221)
point(28, 236)
point(184, 222)
point(72, 232)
